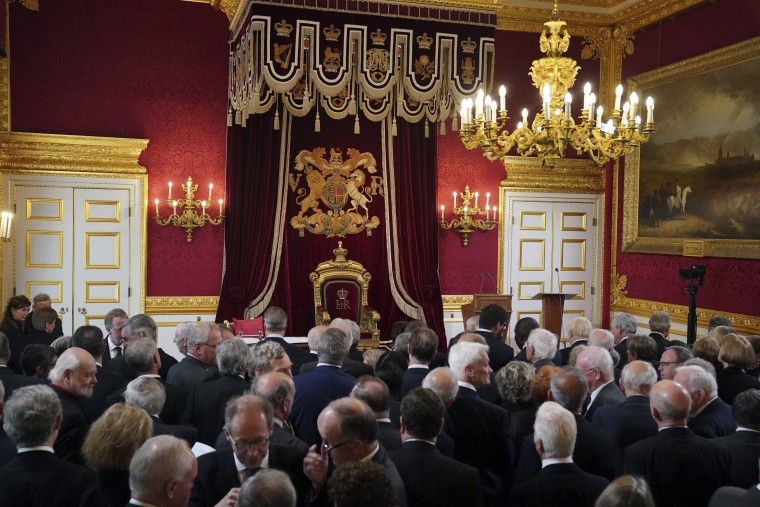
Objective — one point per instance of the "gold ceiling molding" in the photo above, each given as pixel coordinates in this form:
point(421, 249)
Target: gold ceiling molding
point(744, 324)
point(577, 176)
point(454, 303)
point(193, 305)
point(23, 151)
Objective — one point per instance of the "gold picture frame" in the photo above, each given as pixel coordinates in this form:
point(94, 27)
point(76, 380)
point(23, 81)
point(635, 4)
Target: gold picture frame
point(711, 231)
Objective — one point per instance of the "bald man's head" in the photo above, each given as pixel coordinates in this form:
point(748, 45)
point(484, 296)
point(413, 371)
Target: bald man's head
point(670, 404)
point(313, 336)
point(472, 338)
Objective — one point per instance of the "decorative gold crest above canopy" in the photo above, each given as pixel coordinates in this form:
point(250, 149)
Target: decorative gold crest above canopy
point(335, 195)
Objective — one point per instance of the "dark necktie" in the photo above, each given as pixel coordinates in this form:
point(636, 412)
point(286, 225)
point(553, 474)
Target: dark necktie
point(117, 350)
point(250, 472)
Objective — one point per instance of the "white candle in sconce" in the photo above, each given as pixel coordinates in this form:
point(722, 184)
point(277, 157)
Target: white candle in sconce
point(220, 206)
point(488, 211)
point(455, 199)
point(189, 184)
point(156, 201)
point(488, 199)
point(618, 96)
point(494, 212)
point(442, 210)
point(650, 110)
point(203, 207)
point(174, 207)
point(170, 190)
point(465, 212)
point(502, 98)
point(476, 199)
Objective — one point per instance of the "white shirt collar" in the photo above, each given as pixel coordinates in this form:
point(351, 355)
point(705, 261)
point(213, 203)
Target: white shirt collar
point(421, 366)
point(553, 461)
point(596, 391)
point(35, 448)
point(467, 385)
point(372, 454)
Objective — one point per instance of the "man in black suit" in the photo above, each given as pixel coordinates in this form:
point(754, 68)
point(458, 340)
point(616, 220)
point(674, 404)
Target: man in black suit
point(622, 326)
point(11, 380)
point(541, 348)
point(142, 356)
point(578, 330)
point(206, 402)
point(354, 368)
point(494, 321)
point(672, 358)
point(423, 344)
point(137, 327)
point(594, 449)
point(374, 392)
point(596, 365)
point(73, 379)
point(313, 339)
point(480, 429)
point(39, 302)
point(522, 331)
point(736, 497)
point(744, 445)
point(630, 421)
point(710, 417)
point(113, 343)
point(275, 323)
point(431, 479)
point(560, 482)
point(248, 427)
point(202, 341)
point(162, 472)
point(279, 390)
point(659, 325)
point(36, 477)
point(149, 394)
point(681, 467)
point(90, 338)
point(349, 433)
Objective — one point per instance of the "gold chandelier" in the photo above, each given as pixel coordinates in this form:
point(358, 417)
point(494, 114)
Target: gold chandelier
point(553, 130)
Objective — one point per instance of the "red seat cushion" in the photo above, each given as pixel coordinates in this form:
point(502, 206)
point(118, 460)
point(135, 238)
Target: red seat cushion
point(249, 327)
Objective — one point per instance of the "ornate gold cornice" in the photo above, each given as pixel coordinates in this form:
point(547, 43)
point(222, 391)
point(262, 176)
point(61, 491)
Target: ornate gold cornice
point(22, 151)
point(454, 303)
point(744, 324)
point(193, 305)
point(578, 176)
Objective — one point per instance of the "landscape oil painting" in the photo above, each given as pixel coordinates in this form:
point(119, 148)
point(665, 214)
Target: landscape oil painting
point(698, 177)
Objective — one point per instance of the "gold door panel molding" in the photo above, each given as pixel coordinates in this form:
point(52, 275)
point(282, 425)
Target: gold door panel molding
point(532, 254)
point(44, 249)
point(533, 315)
point(577, 287)
point(533, 220)
point(53, 288)
point(573, 255)
point(101, 292)
point(102, 250)
point(44, 209)
point(102, 211)
point(574, 221)
point(94, 320)
point(526, 290)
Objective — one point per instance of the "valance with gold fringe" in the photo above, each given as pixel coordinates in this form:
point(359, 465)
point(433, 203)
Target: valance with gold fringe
point(370, 59)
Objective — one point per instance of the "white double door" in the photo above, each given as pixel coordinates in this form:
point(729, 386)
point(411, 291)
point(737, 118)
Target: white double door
point(76, 242)
point(553, 244)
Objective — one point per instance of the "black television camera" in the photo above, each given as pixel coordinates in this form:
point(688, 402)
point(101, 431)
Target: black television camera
point(696, 272)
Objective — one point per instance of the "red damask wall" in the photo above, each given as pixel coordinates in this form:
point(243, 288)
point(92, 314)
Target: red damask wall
point(154, 69)
point(731, 285)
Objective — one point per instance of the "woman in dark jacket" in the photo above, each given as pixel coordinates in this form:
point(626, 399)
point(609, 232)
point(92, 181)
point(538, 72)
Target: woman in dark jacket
point(736, 355)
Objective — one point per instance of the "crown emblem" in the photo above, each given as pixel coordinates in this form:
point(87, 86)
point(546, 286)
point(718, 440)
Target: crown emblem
point(283, 28)
point(424, 41)
point(342, 294)
point(331, 33)
point(378, 37)
point(468, 46)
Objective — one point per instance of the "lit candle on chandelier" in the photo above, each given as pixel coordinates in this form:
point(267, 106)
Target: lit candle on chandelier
point(174, 207)
point(488, 199)
point(220, 206)
point(494, 212)
point(488, 211)
point(203, 207)
point(442, 209)
point(189, 184)
point(170, 190)
point(156, 201)
point(650, 110)
point(465, 212)
point(476, 199)
point(210, 186)
point(455, 199)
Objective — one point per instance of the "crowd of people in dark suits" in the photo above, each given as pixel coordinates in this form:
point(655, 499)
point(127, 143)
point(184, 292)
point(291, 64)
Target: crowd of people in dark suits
point(614, 418)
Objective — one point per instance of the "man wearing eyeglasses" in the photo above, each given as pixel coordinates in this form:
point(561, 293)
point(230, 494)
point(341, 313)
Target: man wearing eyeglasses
point(596, 365)
point(202, 340)
point(494, 321)
point(248, 427)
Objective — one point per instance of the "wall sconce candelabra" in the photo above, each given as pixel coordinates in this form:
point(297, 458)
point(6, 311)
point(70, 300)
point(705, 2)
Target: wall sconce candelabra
point(6, 221)
point(190, 219)
point(467, 223)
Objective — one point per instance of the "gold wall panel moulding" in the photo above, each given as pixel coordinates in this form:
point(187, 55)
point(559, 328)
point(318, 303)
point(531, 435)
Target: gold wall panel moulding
point(454, 303)
point(578, 287)
point(191, 305)
point(528, 293)
point(93, 320)
point(529, 224)
point(91, 211)
point(744, 324)
point(569, 176)
point(524, 255)
point(45, 287)
point(568, 217)
point(35, 205)
point(82, 154)
point(582, 255)
point(88, 250)
point(30, 235)
point(90, 287)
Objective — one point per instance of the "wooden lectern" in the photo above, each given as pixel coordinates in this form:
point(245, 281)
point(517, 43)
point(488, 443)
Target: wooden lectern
point(553, 307)
point(479, 301)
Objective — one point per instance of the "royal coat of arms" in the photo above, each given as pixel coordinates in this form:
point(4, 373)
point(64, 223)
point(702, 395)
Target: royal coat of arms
point(337, 194)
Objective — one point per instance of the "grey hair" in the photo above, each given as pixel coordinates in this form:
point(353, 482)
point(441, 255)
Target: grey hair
point(544, 343)
point(626, 322)
point(719, 332)
point(442, 382)
point(349, 327)
point(659, 322)
point(472, 323)
point(599, 358)
point(112, 314)
point(463, 354)
point(333, 346)
point(571, 400)
point(30, 415)
point(142, 323)
point(2, 391)
point(157, 462)
point(699, 378)
point(275, 319)
point(579, 327)
point(704, 364)
point(279, 392)
point(718, 320)
point(233, 357)
point(243, 402)
point(268, 488)
point(601, 338)
point(402, 342)
point(638, 381)
point(146, 393)
point(263, 354)
point(513, 381)
point(66, 361)
point(139, 355)
point(556, 428)
point(197, 334)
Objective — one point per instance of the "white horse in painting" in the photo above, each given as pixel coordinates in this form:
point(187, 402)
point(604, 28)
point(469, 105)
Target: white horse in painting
point(678, 204)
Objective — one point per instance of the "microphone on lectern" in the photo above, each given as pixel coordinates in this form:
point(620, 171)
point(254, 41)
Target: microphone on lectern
point(482, 282)
point(559, 286)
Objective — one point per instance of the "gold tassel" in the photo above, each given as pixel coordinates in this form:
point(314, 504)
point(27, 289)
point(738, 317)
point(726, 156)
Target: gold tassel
point(229, 117)
point(443, 128)
point(277, 120)
point(394, 128)
point(455, 124)
point(357, 128)
point(427, 129)
point(352, 106)
point(238, 117)
point(245, 120)
point(317, 124)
